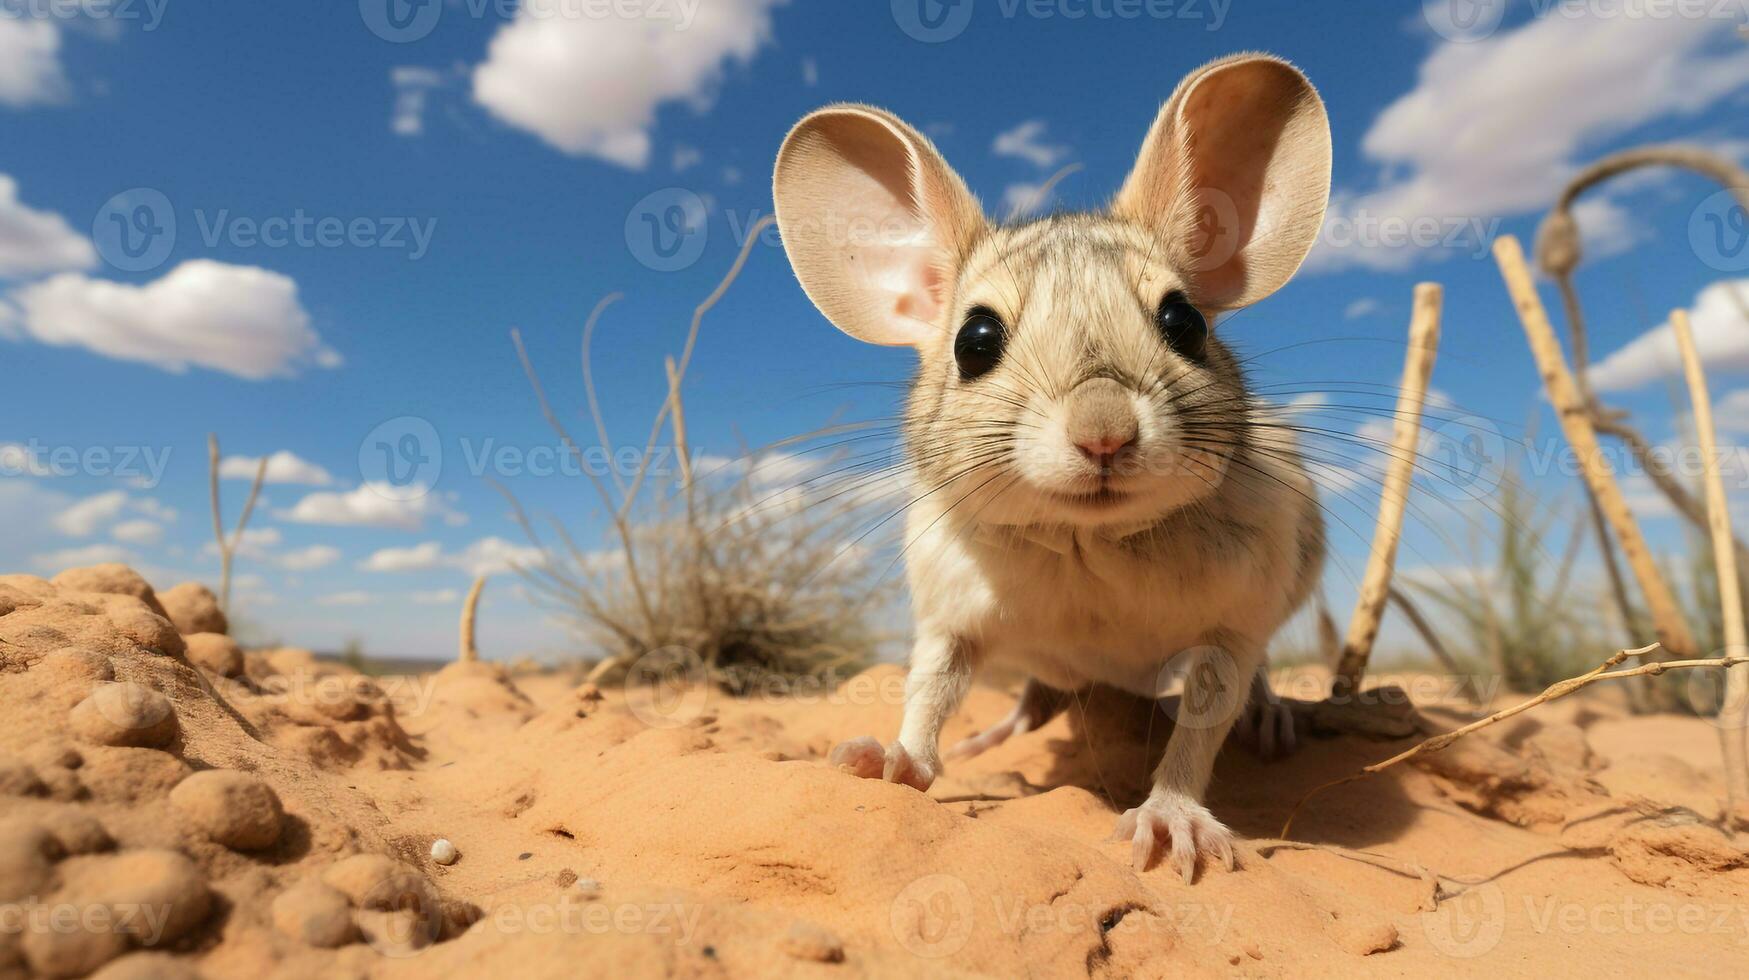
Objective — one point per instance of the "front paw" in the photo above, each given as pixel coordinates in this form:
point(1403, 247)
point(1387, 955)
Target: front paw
point(865, 758)
point(1188, 825)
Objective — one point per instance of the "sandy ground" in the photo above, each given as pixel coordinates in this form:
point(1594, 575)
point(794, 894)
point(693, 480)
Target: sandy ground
point(172, 807)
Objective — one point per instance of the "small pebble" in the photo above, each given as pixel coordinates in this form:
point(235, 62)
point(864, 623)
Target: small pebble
point(443, 852)
point(588, 887)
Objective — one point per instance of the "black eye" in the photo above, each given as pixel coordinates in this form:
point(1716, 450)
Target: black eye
point(1182, 325)
point(978, 347)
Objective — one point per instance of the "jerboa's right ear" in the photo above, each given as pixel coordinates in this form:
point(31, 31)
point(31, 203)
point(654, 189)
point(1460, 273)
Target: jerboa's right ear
point(874, 220)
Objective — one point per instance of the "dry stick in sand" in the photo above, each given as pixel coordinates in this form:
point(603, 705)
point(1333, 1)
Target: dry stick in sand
point(1731, 737)
point(470, 652)
point(1570, 407)
point(1363, 628)
point(1559, 689)
point(228, 548)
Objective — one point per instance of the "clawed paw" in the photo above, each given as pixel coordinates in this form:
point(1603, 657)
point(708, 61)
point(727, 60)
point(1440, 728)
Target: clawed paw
point(1178, 822)
point(865, 758)
point(1266, 726)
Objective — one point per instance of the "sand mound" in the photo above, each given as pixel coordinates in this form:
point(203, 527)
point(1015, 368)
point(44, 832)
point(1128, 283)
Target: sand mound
point(200, 810)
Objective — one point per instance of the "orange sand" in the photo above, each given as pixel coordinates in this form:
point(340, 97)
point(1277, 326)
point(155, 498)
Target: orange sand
point(612, 834)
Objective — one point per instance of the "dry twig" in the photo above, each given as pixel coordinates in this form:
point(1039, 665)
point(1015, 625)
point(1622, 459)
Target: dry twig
point(1667, 619)
point(1363, 628)
point(1560, 689)
point(1731, 731)
point(469, 651)
point(228, 547)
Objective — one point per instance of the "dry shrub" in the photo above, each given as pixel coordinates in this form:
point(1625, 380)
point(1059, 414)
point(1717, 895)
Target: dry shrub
point(758, 582)
point(1517, 608)
point(750, 571)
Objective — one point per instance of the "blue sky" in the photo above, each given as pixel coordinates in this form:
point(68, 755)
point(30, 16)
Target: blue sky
point(495, 168)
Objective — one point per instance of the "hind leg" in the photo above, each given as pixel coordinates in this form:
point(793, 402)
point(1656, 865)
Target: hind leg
point(1038, 704)
point(1267, 725)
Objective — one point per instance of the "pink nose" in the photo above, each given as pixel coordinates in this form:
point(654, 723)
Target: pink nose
point(1102, 449)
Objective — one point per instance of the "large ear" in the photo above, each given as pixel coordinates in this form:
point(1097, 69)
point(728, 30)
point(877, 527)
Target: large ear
point(1234, 177)
point(874, 221)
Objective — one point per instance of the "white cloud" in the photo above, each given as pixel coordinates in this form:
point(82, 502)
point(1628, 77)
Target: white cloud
point(413, 87)
point(810, 72)
point(36, 242)
point(1493, 126)
point(1721, 335)
point(354, 598)
point(1026, 141)
point(417, 558)
point(591, 86)
point(1606, 227)
point(1731, 414)
point(282, 467)
point(308, 559)
point(686, 157)
point(487, 556)
point(138, 531)
point(1022, 199)
point(84, 518)
point(1365, 306)
point(240, 320)
point(30, 63)
point(767, 470)
point(370, 505)
point(436, 597)
point(91, 554)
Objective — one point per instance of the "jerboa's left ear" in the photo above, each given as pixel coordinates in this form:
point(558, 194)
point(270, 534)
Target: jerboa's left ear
point(1234, 178)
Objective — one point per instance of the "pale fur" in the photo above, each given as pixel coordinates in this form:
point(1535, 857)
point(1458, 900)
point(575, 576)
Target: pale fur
point(1020, 548)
